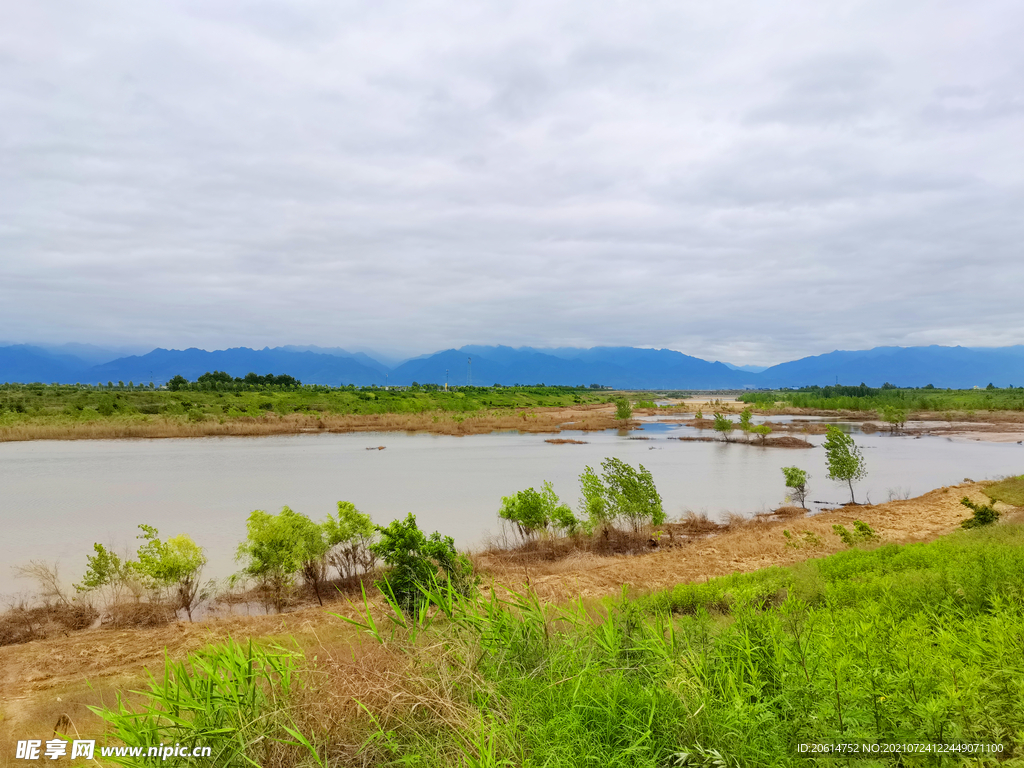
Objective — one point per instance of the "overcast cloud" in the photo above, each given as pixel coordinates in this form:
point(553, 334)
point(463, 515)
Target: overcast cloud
point(743, 181)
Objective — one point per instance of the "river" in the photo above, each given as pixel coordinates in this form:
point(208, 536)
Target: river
point(58, 497)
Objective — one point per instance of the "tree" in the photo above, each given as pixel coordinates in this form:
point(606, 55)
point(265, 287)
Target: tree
point(178, 382)
point(349, 536)
point(895, 416)
point(533, 512)
point(796, 481)
point(623, 410)
point(723, 424)
point(275, 549)
point(844, 459)
point(621, 492)
point(106, 570)
point(762, 431)
point(745, 423)
point(418, 562)
point(176, 564)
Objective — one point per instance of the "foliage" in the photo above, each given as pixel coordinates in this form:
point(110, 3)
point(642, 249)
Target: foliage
point(533, 512)
point(176, 564)
point(724, 425)
point(105, 569)
point(230, 698)
point(349, 535)
point(862, 533)
point(745, 419)
point(416, 561)
point(620, 493)
point(844, 458)
point(277, 547)
point(623, 410)
point(864, 398)
point(796, 481)
point(984, 514)
point(895, 416)
point(24, 405)
point(762, 431)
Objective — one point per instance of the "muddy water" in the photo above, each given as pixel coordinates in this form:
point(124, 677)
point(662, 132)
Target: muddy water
point(57, 498)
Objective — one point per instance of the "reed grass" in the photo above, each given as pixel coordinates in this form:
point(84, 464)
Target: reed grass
point(920, 643)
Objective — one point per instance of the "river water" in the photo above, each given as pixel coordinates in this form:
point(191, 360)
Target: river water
point(58, 497)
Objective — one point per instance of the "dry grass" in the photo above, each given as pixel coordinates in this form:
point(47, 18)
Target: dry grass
point(565, 441)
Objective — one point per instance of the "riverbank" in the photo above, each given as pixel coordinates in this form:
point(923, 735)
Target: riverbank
point(42, 680)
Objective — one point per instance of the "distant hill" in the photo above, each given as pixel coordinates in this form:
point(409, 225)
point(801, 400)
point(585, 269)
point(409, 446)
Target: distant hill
point(619, 367)
point(955, 367)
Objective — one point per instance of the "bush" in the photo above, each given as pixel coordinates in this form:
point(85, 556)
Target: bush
point(623, 410)
point(984, 514)
point(621, 492)
point(861, 533)
point(278, 547)
point(533, 512)
point(418, 563)
point(349, 536)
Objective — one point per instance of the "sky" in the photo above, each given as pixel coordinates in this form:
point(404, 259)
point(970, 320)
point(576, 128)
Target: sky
point(738, 180)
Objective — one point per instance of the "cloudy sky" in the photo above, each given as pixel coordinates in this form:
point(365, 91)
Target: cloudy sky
point(737, 180)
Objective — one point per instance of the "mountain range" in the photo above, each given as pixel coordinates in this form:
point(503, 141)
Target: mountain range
point(618, 367)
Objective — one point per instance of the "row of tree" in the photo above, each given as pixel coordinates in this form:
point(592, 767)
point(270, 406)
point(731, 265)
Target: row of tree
point(222, 380)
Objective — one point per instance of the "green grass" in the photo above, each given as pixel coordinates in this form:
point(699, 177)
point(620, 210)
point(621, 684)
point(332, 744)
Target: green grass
point(870, 399)
point(39, 403)
point(921, 643)
point(1010, 491)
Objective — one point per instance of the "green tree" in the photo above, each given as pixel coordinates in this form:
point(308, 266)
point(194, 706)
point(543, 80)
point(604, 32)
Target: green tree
point(178, 382)
point(621, 492)
point(349, 536)
point(895, 416)
point(745, 423)
point(796, 481)
point(276, 548)
point(762, 431)
point(533, 512)
point(723, 424)
point(623, 410)
point(417, 562)
point(844, 458)
point(176, 564)
point(105, 569)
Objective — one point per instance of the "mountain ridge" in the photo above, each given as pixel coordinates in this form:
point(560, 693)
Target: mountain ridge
point(617, 367)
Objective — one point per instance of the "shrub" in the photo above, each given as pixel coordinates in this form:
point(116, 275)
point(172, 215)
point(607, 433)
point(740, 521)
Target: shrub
point(279, 546)
point(984, 514)
point(623, 410)
point(796, 481)
point(176, 564)
point(723, 424)
point(534, 512)
point(349, 536)
point(861, 533)
point(620, 492)
point(418, 562)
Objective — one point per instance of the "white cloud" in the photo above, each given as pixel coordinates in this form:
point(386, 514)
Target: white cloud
point(741, 181)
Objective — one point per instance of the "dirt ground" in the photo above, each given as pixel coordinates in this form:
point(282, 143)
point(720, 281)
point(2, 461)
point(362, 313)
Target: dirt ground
point(43, 680)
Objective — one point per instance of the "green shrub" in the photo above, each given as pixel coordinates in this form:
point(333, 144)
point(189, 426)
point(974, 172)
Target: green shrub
point(416, 562)
point(984, 514)
point(861, 533)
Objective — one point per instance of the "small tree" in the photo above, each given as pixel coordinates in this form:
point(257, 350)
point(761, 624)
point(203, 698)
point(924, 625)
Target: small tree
point(176, 564)
point(621, 492)
point(623, 410)
point(844, 459)
point(762, 431)
point(349, 536)
point(723, 424)
point(273, 551)
point(796, 481)
point(895, 416)
point(418, 562)
point(533, 512)
point(745, 424)
point(106, 570)
point(593, 505)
